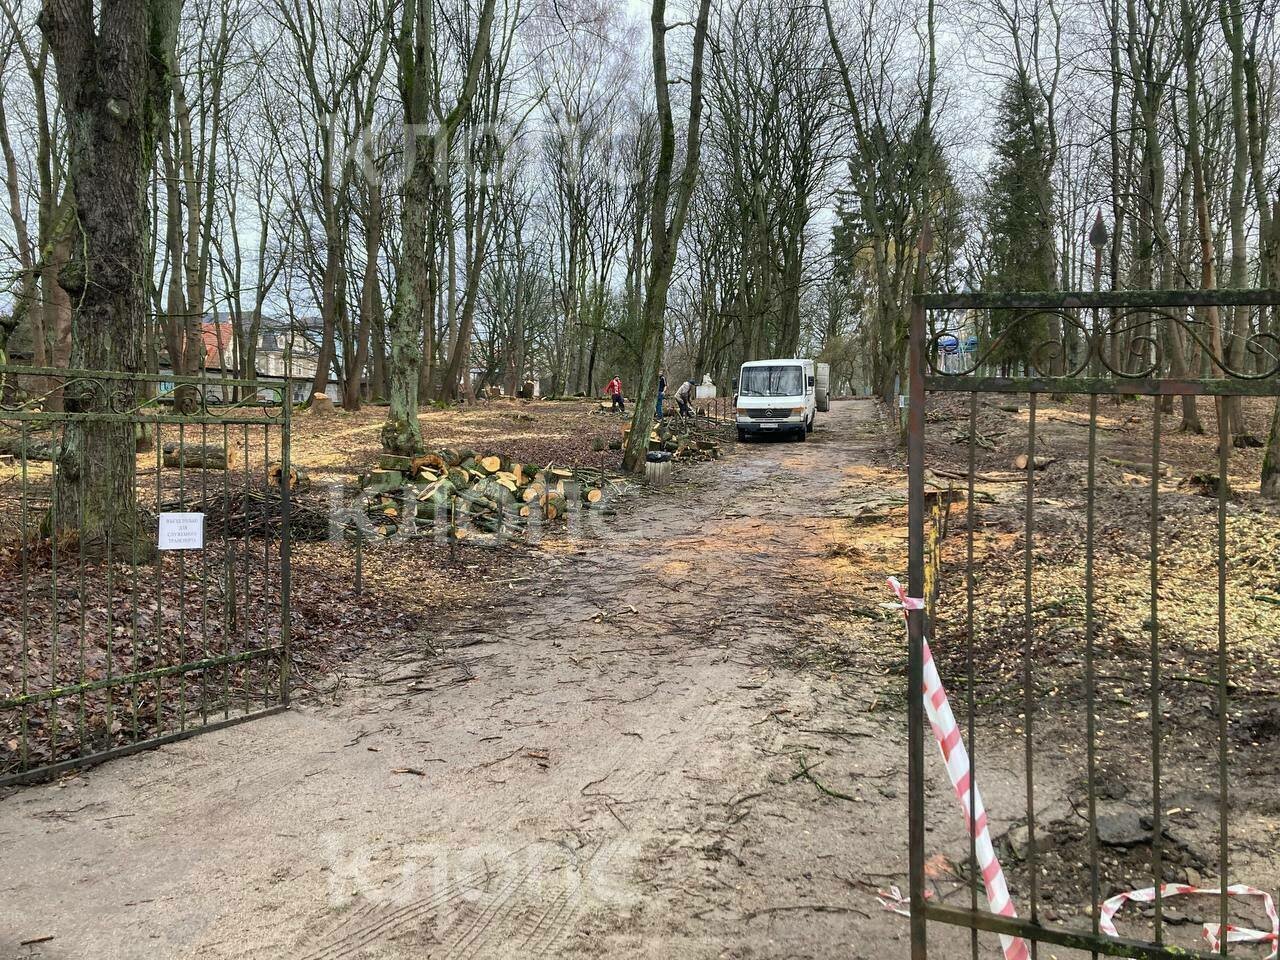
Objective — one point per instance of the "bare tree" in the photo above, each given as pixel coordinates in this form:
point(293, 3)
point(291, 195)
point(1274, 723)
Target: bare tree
point(668, 209)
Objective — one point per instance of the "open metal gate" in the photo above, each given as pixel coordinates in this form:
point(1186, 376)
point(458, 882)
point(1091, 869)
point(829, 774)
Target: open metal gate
point(111, 647)
point(1105, 358)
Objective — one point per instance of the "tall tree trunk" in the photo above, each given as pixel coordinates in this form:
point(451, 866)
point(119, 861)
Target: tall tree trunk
point(668, 209)
point(401, 433)
point(113, 61)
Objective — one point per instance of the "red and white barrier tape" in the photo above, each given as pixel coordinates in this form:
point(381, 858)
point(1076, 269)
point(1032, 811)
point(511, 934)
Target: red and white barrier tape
point(960, 772)
point(1106, 916)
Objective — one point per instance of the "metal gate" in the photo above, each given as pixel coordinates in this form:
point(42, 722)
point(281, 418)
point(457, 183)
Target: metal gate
point(112, 647)
point(1032, 641)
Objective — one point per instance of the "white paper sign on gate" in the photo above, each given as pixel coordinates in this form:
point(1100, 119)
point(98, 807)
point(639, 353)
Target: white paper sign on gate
point(181, 531)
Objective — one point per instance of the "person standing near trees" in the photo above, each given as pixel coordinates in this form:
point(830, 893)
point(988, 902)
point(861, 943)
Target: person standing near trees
point(683, 397)
point(662, 389)
point(614, 390)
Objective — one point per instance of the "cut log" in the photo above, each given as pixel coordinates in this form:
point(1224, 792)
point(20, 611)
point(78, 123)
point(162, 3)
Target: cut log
point(431, 461)
point(490, 464)
point(554, 506)
point(592, 495)
point(1021, 461)
point(197, 457)
point(391, 461)
point(298, 478)
point(459, 477)
point(382, 481)
point(33, 449)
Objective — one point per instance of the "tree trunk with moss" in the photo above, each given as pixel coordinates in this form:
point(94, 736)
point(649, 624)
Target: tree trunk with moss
point(113, 61)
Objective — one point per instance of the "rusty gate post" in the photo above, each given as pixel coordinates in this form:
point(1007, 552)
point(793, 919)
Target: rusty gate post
point(916, 618)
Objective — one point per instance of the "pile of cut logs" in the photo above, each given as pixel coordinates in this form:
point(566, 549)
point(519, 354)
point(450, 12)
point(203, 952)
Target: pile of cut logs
point(677, 436)
point(467, 491)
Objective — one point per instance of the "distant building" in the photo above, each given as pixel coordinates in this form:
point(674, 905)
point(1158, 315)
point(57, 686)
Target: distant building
point(275, 360)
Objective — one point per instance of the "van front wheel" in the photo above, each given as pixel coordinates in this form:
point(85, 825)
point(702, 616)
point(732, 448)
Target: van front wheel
point(808, 427)
point(802, 435)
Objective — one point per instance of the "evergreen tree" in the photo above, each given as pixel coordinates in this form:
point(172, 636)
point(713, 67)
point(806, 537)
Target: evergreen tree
point(1018, 208)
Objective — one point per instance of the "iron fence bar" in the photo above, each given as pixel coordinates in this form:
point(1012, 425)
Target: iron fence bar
point(248, 599)
point(1224, 492)
point(1080, 940)
point(915, 630)
point(122, 679)
point(204, 580)
point(25, 719)
point(135, 619)
point(182, 575)
point(1157, 818)
point(974, 873)
point(80, 581)
point(159, 565)
point(108, 717)
point(266, 543)
point(228, 573)
point(1028, 680)
point(941, 383)
point(1090, 667)
point(92, 759)
point(1104, 299)
point(53, 598)
point(286, 551)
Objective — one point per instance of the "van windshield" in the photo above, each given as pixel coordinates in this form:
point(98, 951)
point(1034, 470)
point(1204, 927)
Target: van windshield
point(780, 381)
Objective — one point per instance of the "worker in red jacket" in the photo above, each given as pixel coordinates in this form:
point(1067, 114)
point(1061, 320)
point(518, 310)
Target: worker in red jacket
point(614, 390)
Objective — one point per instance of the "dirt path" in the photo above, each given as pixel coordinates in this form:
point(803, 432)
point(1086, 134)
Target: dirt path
point(604, 766)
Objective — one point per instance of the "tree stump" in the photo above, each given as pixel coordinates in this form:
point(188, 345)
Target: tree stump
point(322, 406)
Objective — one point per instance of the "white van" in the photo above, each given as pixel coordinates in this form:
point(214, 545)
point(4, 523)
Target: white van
point(776, 396)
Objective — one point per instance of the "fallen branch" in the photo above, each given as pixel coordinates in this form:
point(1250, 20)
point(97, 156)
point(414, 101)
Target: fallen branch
point(1077, 423)
point(984, 477)
point(807, 775)
point(811, 907)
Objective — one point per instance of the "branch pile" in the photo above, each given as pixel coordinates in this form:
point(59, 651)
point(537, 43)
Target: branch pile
point(465, 491)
